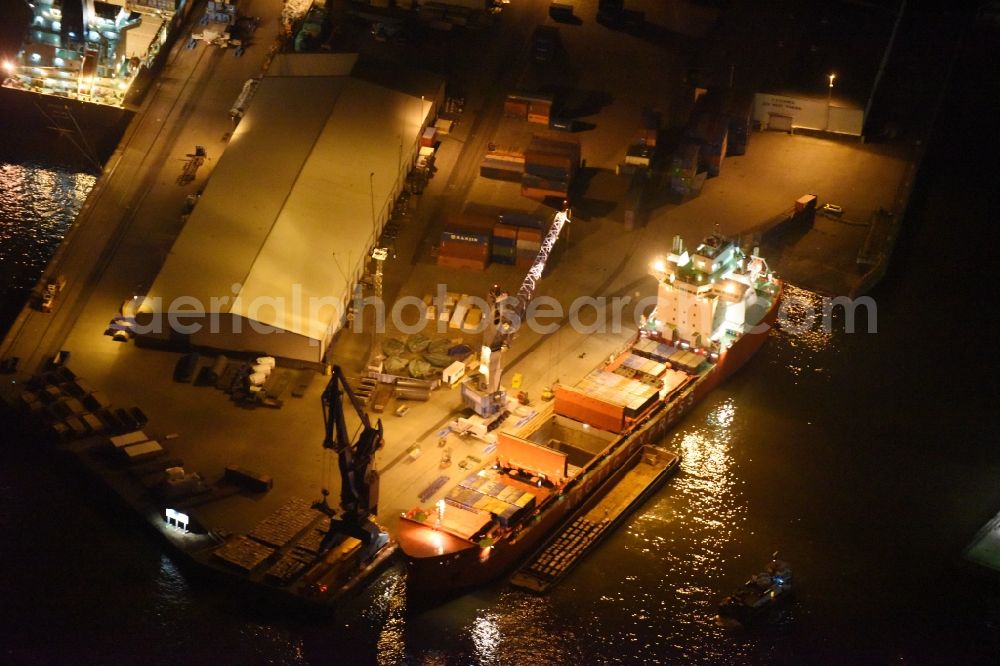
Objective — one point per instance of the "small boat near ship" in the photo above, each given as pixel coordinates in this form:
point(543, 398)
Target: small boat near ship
point(760, 593)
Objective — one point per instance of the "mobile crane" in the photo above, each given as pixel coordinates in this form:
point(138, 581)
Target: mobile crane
point(483, 392)
point(358, 477)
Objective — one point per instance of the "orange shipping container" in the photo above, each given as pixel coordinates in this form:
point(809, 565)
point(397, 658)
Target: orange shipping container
point(587, 409)
point(505, 231)
point(515, 109)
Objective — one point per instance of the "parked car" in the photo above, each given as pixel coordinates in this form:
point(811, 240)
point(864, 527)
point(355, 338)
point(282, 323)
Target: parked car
point(833, 210)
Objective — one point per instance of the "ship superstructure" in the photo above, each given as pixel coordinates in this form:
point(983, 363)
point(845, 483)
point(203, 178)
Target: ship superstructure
point(704, 297)
point(89, 50)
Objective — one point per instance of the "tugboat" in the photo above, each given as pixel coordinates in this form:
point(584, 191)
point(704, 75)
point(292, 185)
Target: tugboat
point(761, 592)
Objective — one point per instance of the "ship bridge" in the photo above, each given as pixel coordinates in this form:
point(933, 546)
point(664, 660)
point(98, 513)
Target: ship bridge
point(703, 296)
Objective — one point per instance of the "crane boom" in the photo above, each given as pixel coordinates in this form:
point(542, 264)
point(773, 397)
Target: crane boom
point(509, 311)
point(507, 315)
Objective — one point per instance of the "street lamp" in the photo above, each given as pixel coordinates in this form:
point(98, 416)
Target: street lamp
point(829, 95)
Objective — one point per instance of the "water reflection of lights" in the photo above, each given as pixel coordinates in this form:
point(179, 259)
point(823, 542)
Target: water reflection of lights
point(37, 207)
point(486, 638)
point(389, 611)
point(722, 415)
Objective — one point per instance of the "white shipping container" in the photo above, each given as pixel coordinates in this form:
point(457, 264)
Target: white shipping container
point(128, 439)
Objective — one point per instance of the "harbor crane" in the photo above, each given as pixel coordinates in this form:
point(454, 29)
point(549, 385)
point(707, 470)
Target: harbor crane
point(358, 478)
point(483, 392)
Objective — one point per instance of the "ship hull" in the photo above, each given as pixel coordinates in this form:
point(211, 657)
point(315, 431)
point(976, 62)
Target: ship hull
point(55, 130)
point(437, 577)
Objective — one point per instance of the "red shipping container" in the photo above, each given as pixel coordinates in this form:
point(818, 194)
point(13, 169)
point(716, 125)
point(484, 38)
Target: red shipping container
point(429, 137)
point(457, 262)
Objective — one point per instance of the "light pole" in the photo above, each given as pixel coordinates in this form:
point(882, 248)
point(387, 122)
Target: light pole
point(829, 95)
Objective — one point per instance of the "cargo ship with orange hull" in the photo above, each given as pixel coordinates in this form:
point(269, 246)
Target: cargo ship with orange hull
point(715, 306)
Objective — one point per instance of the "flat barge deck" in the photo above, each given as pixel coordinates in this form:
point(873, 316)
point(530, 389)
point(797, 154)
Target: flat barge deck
point(644, 473)
point(281, 558)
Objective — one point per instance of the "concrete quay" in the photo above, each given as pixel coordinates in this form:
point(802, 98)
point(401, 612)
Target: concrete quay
point(134, 213)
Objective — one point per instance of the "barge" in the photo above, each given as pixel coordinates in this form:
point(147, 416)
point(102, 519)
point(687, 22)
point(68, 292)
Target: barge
point(715, 306)
point(647, 470)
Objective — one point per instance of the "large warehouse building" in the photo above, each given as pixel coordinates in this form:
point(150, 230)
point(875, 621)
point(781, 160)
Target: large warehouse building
point(288, 219)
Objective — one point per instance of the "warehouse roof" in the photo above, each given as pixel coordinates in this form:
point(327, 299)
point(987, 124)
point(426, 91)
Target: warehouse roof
point(295, 202)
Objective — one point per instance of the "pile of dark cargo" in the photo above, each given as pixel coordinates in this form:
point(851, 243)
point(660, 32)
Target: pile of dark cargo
point(472, 241)
point(719, 127)
point(66, 407)
point(271, 535)
point(252, 382)
point(550, 164)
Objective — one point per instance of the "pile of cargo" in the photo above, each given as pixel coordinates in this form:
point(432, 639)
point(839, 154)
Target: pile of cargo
point(642, 151)
point(285, 523)
point(502, 500)
point(502, 164)
point(720, 125)
point(465, 242)
point(684, 168)
point(66, 407)
point(535, 108)
point(504, 244)
point(710, 131)
point(441, 13)
point(515, 237)
point(550, 165)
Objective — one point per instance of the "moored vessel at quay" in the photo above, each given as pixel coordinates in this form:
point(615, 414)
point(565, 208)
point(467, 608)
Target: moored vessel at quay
point(81, 69)
point(715, 306)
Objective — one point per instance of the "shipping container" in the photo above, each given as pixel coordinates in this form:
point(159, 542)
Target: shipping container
point(515, 108)
point(504, 231)
point(805, 202)
point(548, 172)
point(512, 175)
point(458, 262)
point(521, 220)
point(464, 250)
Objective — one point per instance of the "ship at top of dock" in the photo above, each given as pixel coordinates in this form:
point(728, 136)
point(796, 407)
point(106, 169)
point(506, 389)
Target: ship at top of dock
point(714, 307)
point(75, 74)
point(89, 51)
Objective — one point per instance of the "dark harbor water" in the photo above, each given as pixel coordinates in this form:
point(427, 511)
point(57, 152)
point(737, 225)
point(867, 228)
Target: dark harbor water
point(868, 459)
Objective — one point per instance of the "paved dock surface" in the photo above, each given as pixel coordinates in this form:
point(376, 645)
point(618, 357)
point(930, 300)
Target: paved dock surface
point(131, 219)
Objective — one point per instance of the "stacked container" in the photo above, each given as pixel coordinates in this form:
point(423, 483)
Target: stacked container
point(549, 167)
point(710, 129)
point(684, 167)
point(530, 107)
point(502, 165)
point(465, 242)
point(504, 244)
point(739, 110)
point(529, 242)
